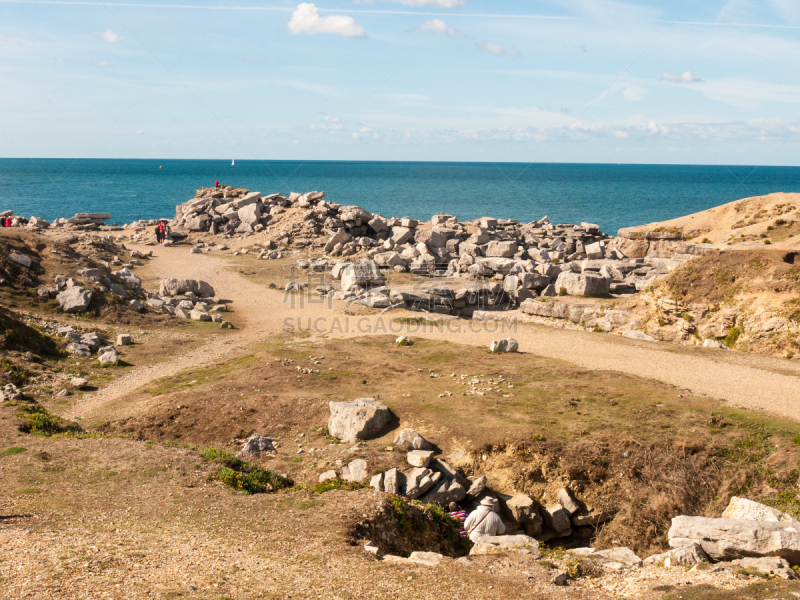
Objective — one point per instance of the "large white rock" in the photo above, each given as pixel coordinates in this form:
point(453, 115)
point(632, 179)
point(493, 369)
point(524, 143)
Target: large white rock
point(500, 544)
point(637, 335)
point(501, 249)
point(729, 539)
point(686, 556)
point(174, 287)
point(582, 284)
point(74, 299)
point(360, 419)
point(747, 510)
point(620, 555)
point(363, 274)
point(409, 437)
point(419, 458)
point(356, 470)
point(507, 345)
point(250, 214)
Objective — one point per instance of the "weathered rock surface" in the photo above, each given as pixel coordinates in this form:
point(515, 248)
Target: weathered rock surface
point(74, 299)
point(409, 437)
point(419, 458)
point(688, 555)
point(175, 287)
point(501, 544)
point(257, 445)
point(356, 470)
point(748, 510)
point(730, 539)
point(360, 419)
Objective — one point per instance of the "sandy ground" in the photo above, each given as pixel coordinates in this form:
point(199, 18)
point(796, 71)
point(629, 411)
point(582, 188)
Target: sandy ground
point(750, 381)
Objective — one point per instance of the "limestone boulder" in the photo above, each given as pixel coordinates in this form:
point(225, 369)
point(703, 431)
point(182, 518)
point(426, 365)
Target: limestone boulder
point(419, 458)
point(501, 249)
point(747, 510)
point(686, 556)
point(175, 287)
point(557, 518)
point(356, 470)
point(367, 273)
point(409, 437)
point(731, 539)
point(522, 508)
point(419, 481)
point(394, 482)
point(109, 357)
point(501, 346)
point(502, 544)
point(583, 284)
point(74, 299)
point(360, 419)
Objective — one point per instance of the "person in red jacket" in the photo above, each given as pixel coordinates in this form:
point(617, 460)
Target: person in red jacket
point(8, 221)
point(216, 183)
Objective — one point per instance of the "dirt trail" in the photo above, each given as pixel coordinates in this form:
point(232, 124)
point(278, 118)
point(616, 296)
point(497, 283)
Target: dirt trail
point(750, 381)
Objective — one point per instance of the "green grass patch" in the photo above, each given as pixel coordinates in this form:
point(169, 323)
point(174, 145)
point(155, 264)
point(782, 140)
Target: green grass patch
point(12, 451)
point(244, 476)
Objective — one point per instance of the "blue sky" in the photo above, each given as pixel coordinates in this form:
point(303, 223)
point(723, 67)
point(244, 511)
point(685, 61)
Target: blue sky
point(703, 82)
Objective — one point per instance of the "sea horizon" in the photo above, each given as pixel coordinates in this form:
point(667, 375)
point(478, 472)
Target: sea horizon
point(609, 194)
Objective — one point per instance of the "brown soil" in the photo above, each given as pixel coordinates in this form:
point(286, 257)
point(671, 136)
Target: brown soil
point(722, 276)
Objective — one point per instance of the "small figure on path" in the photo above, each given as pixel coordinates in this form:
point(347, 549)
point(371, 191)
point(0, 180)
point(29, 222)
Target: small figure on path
point(161, 232)
point(484, 520)
point(8, 221)
point(461, 515)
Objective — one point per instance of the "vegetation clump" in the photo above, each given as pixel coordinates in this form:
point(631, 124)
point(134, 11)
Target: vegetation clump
point(243, 476)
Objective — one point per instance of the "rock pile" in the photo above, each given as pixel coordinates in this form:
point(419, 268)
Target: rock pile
point(188, 299)
point(80, 222)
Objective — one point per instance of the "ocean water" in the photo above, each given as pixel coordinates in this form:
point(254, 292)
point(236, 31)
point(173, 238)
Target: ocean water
point(611, 195)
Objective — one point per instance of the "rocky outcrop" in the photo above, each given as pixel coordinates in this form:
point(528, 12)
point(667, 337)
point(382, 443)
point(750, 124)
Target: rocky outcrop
point(256, 446)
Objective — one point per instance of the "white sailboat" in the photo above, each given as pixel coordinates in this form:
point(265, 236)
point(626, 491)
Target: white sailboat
point(232, 161)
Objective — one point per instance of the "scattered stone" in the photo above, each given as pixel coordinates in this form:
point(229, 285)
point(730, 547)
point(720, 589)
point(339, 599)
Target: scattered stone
point(748, 510)
point(419, 458)
point(356, 470)
point(109, 357)
point(688, 556)
point(430, 559)
point(78, 382)
point(409, 437)
point(638, 335)
point(327, 475)
point(74, 299)
point(557, 518)
point(256, 445)
point(507, 345)
point(561, 579)
point(565, 500)
point(124, 339)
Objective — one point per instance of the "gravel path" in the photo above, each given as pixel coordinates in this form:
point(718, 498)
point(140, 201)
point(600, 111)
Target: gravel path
point(744, 380)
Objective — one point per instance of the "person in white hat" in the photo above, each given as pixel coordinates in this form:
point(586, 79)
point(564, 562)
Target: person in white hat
point(484, 520)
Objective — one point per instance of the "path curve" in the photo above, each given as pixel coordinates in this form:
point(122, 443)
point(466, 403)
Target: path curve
point(745, 380)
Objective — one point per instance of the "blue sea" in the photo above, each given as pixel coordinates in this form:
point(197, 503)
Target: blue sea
point(611, 195)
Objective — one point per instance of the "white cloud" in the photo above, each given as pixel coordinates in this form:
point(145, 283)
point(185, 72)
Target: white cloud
point(11, 41)
point(139, 132)
point(633, 93)
point(364, 133)
point(329, 124)
point(101, 63)
point(438, 26)
point(306, 19)
point(497, 49)
point(439, 3)
point(686, 77)
point(110, 37)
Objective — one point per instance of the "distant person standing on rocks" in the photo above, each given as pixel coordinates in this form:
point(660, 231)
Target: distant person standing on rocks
point(8, 221)
point(160, 230)
point(460, 515)
point(216, 183)
point(484, 520)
